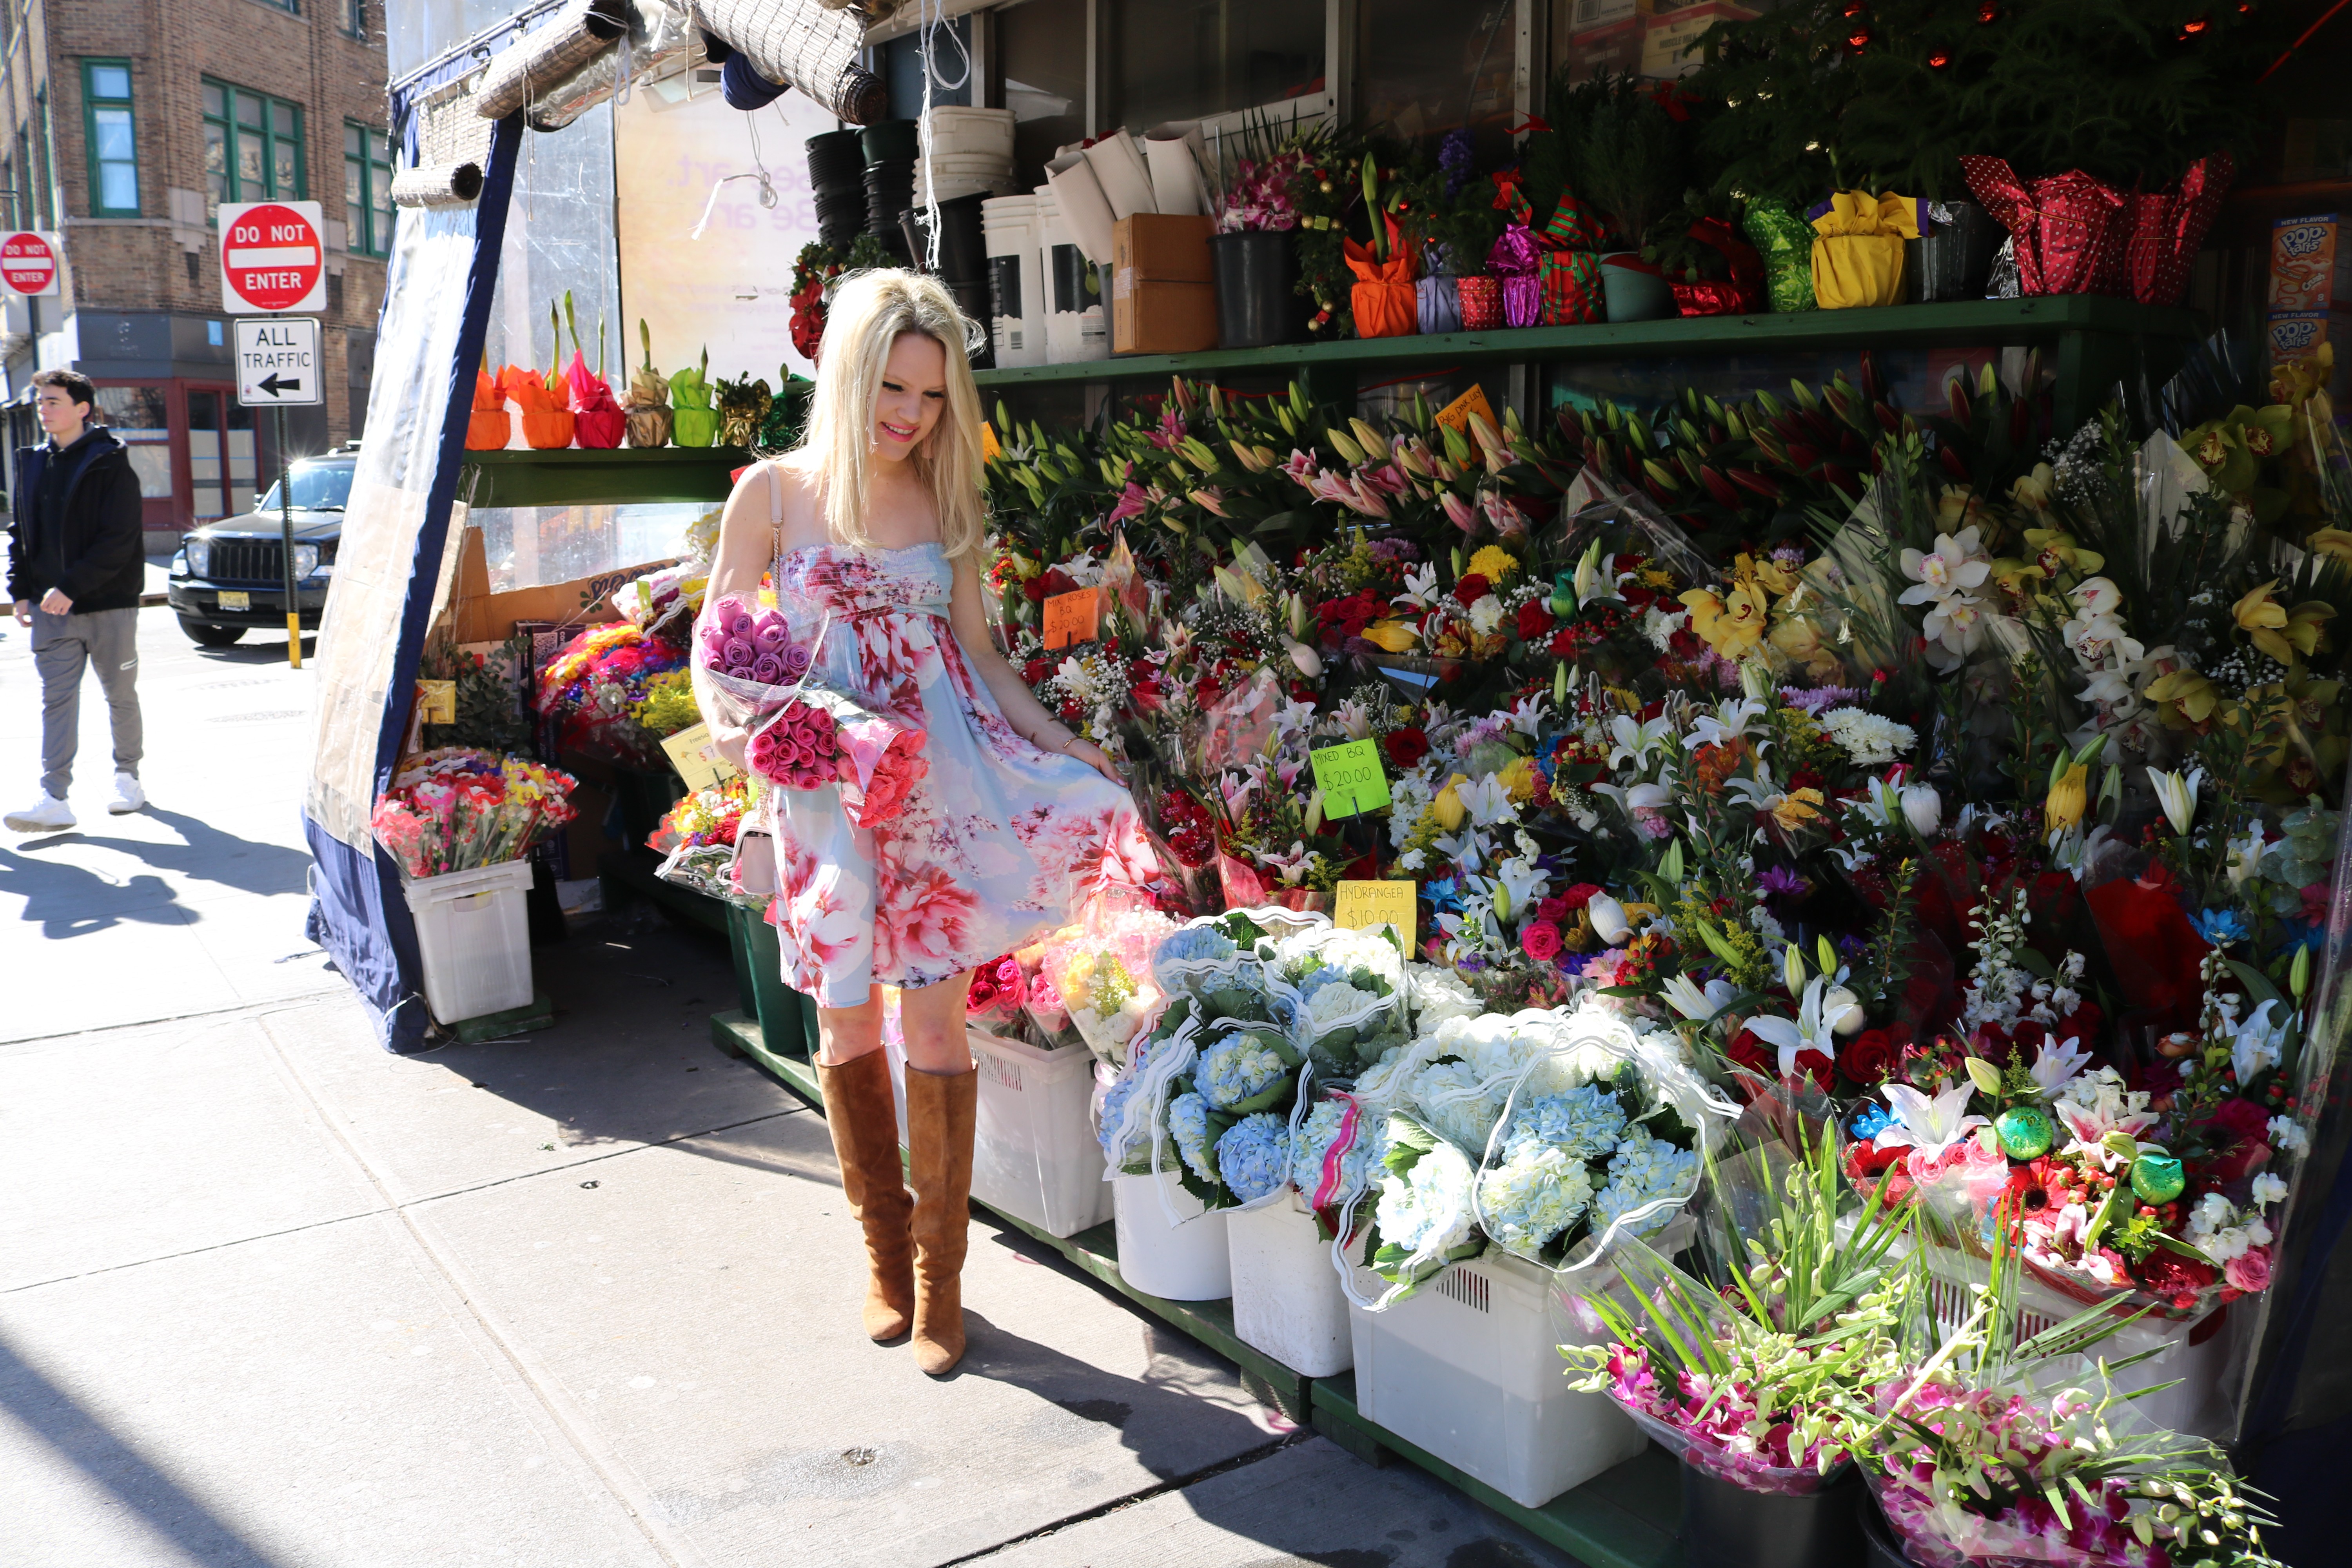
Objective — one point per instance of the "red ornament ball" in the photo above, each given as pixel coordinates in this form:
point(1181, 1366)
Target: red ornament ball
point(1938, 60)
point(1858, 41)
point(1988, 12)
point(2194, 26)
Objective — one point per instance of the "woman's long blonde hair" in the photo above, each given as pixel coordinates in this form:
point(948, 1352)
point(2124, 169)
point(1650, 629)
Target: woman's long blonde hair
point(867, 313)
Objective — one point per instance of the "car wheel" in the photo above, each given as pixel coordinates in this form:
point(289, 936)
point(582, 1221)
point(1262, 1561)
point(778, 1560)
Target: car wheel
point(203, 636)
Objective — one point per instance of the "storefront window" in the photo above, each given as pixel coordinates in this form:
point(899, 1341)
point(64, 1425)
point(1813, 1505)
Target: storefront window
point(140, 418)
point(221, 473)
point(1044, 48)
point(1185, 59)
point(1426, 70)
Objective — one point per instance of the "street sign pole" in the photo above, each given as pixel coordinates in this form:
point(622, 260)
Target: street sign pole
point(279, 364)
point(286, 551)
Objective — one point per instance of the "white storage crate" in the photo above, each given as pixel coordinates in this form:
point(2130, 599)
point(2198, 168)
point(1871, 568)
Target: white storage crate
point(2196, 1403)
point(1034, 1150)
point(1287, 1297)
point(1469, 1369)
point(473, 935)
point(1187, 1261)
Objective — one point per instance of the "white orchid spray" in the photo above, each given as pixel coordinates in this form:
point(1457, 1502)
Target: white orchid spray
point(1813, 1030)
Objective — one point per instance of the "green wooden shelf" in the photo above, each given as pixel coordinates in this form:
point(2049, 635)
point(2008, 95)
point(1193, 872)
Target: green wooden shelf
point(573, 475)
point(2093, 342)
point(1624, 1519)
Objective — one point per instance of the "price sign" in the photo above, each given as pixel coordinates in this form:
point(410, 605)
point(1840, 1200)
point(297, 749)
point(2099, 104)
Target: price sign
point(1363, 905)
point(1455, 415)
point(1073, 618)
point(1350, 777)
point(697, 758)
point(437, 702)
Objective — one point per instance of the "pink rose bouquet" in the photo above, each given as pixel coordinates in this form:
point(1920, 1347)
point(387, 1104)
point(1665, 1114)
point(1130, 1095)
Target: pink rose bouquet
point(798, 748)
point(997, 988)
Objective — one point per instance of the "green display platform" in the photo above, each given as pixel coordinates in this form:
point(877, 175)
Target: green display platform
point(1624, 1519)
point(2093, 342)
point(573, 477)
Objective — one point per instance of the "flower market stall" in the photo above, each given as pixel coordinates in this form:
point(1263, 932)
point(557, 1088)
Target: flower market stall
point(1733, 656)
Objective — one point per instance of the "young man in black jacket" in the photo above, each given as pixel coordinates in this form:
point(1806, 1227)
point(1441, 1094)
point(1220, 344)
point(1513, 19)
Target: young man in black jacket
point(74, 574)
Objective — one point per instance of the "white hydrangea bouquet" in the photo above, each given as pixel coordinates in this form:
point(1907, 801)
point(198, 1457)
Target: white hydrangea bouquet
point(1342, 994)
point(1549, 1133)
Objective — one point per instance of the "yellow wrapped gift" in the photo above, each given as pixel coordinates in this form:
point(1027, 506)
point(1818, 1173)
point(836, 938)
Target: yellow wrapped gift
point(1858, 249)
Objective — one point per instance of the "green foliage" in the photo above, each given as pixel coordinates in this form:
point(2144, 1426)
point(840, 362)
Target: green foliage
point(1624, 153)
point(2119, 88)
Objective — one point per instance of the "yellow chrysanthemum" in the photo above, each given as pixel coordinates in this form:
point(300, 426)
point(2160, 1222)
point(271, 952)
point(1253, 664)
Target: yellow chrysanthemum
point(1494, 563)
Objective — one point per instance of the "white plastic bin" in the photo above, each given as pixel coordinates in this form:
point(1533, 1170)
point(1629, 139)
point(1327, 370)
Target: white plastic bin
point(1189, 1261)
point(2196, 1403)
point(1287, 1297)
point(1034, 1150)
point(1468, 1368)
point(473, 933)
point(1009, 226)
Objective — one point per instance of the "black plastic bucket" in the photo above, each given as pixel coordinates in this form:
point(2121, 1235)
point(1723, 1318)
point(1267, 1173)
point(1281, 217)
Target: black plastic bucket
point(1727, 1526)
point(1879, 1547)
point(1257, 278)
point(1952, 260)
point(963, 247)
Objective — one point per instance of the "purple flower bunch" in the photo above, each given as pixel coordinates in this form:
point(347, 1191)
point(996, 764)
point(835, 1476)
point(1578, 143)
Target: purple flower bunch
point(1454, 157)
point(749, 644)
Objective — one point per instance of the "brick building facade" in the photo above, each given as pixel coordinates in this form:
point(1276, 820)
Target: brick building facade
point(123, 124)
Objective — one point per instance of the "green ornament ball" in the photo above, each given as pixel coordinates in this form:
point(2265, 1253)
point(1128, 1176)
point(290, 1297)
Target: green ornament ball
point(2158, 1178)
point(2024, 1132)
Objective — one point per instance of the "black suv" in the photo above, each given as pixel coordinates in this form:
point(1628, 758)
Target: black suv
point(231, 576)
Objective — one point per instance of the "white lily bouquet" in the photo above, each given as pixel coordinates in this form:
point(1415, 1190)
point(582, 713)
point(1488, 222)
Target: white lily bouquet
point(1549, 1133)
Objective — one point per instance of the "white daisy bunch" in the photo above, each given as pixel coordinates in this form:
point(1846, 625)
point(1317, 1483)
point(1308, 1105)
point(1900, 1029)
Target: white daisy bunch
point(2221, 1232)
point(1868, 740)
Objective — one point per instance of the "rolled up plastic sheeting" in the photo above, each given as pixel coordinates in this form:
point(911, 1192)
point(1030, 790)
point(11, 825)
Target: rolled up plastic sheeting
point(566, 100)
point(546, 56)
point(1083, 209)
point(804, 45)
point(1126, 179)
point(1173, 153)
point(437, 185)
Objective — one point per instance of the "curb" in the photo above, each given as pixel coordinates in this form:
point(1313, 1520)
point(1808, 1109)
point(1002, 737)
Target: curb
point(149, 601)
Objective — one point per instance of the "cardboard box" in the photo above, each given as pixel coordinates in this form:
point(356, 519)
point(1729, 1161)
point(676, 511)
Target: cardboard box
point(476, 615)
point(1163, 287)
point(2295, 337)
point(2308, 265)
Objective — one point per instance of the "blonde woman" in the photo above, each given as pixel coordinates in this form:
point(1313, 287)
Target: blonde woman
point(874, 529)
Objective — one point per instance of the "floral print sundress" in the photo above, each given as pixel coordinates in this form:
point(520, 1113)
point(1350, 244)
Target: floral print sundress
point(1000, 841)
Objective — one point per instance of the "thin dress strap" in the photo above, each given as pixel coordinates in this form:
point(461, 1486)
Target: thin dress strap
point(775, 466)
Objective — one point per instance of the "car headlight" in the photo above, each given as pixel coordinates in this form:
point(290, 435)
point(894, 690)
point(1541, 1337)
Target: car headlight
point(200, 557)
point(306, 561)
point(180, 564)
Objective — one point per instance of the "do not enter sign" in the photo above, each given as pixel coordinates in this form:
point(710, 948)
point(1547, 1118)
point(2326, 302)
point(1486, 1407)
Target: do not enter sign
point(28, 263)
point(272, 257)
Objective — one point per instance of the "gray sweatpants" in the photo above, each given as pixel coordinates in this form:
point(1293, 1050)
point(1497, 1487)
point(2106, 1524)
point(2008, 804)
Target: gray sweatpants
point(62, 644)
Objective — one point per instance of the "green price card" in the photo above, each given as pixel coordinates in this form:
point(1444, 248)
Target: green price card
point(1350, 778)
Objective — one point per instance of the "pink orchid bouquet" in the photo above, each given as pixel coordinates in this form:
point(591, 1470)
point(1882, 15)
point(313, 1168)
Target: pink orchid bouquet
point(457, 809)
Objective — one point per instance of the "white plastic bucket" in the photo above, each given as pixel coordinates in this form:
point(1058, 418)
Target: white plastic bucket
point(473, 935)
point(1034, 1150)
point(1287, 1297)
point(1188, 1261)
point(1008, 227)
point(1469, 1369)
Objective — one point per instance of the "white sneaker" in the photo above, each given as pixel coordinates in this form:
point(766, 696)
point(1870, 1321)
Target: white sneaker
point(128, 795)
point(50, 815)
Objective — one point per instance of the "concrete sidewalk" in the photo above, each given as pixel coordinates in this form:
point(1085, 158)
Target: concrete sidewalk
point(271, 1297)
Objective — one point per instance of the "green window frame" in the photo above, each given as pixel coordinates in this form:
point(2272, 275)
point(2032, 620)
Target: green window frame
point(253, 148)
point(367, 188)
point(110, 134)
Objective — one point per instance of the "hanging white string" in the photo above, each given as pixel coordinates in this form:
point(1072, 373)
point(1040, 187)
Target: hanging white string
point(759, 172)
point(930, 16)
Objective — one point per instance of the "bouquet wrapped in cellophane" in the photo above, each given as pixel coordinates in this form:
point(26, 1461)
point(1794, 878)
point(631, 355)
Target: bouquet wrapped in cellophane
point(696, 838)
point(805, 735)
point(456, 809)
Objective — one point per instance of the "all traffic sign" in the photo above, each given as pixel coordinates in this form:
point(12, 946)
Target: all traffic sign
point(272, 257)
point(29, 262)
point(278, 362)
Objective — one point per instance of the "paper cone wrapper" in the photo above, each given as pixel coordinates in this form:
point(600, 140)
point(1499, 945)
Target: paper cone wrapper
point(1126, 180)
point(1173, 153)
point(1079, 202)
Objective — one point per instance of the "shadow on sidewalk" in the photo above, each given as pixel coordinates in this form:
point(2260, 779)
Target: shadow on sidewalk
point(166, 1507)
point(70, 901)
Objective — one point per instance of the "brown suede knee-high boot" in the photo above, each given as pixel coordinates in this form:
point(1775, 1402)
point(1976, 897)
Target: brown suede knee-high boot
point(940, 1108)
point(864, 1120)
